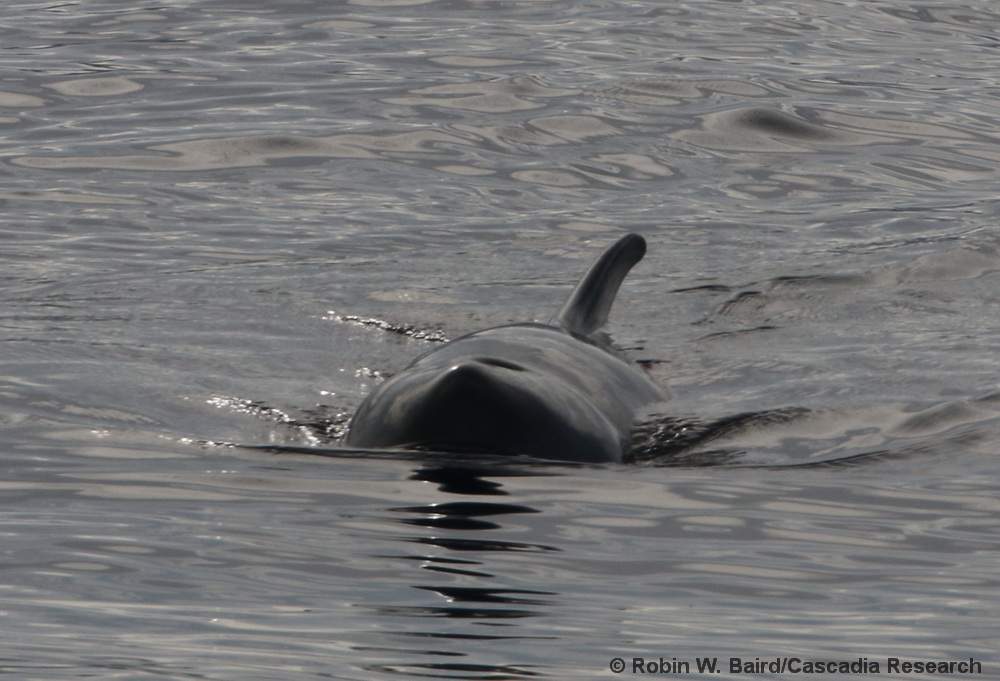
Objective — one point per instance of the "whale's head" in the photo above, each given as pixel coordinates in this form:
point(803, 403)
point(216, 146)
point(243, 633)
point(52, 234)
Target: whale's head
point(483, 405)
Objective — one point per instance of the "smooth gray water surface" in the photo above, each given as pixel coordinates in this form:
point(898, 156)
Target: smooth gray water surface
point(225, 222)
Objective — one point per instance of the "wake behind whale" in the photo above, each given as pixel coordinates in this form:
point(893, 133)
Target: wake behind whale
point(550, 391)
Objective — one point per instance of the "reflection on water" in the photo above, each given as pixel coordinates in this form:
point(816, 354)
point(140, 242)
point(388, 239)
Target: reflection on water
point(473, 606)
point(487, 608)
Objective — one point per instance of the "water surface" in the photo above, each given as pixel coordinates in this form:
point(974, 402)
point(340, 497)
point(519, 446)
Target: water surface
point(226, 221)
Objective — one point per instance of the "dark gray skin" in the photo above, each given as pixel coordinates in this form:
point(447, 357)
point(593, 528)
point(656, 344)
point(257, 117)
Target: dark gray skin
point(547, 391)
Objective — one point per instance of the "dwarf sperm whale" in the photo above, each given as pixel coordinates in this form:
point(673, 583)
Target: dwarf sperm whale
point(550, 391)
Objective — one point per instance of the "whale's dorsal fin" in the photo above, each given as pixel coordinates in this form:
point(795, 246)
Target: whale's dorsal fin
point(587, 308)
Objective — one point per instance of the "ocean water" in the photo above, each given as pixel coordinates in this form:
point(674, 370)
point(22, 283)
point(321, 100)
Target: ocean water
point(225, 222)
